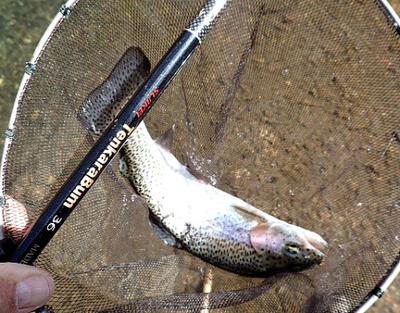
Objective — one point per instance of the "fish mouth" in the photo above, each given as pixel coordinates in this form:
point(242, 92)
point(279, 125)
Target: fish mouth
point(317, 242)
point(318, 257)
point(316, 245)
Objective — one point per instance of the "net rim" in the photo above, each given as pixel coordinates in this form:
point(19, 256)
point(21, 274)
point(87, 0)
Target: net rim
point(9, 134)
point(59, 18)
point(41, 46)
point(394, 270)
point(390, 14)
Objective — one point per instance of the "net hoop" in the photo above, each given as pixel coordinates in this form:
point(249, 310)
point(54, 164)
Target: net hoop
point(381, 288)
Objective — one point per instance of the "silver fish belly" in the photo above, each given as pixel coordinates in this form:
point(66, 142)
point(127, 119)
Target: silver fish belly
point(188, 212)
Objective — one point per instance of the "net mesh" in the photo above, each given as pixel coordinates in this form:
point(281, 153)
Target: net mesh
point(289, 105)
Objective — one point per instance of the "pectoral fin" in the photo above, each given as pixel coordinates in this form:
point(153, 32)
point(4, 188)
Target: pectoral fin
point(266, 237)
point(250, 213)
point(258, 237)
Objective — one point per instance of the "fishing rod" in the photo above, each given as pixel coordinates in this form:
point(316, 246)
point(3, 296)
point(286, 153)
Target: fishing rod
point(114, 137)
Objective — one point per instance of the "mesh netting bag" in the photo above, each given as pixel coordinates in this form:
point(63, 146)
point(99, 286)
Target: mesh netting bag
point(289, 105)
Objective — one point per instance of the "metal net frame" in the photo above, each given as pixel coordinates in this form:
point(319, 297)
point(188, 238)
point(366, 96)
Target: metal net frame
point(282, 93)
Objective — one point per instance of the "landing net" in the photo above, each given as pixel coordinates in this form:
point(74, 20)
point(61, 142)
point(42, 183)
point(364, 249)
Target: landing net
point(289, 105)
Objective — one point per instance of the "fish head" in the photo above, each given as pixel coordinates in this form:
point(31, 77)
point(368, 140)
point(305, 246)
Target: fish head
point(287, 247)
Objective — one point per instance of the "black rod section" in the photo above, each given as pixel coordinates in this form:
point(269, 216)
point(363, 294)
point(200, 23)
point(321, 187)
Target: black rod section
point(115, 136)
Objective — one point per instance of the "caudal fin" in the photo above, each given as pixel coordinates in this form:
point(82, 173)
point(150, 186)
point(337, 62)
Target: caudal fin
point(104, 103)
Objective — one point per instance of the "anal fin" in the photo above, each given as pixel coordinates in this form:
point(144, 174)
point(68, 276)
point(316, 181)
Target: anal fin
point(164, 234)
point(166, 139)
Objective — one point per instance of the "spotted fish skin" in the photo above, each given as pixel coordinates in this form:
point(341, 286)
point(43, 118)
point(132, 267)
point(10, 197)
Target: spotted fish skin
point(210, 223)
point(129, 73)
point(206, 221)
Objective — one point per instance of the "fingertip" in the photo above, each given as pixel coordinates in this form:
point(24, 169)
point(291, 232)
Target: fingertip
point(33, 292)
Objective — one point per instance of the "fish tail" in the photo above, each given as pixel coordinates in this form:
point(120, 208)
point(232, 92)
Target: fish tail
point(104, 103)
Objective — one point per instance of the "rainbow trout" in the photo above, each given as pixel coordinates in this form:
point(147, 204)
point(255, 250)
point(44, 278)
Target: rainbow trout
point(186, 211)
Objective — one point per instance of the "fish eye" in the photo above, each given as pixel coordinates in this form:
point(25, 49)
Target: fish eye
point(292, 248)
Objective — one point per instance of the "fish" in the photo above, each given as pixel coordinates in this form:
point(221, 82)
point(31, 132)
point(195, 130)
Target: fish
point(188, 212)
